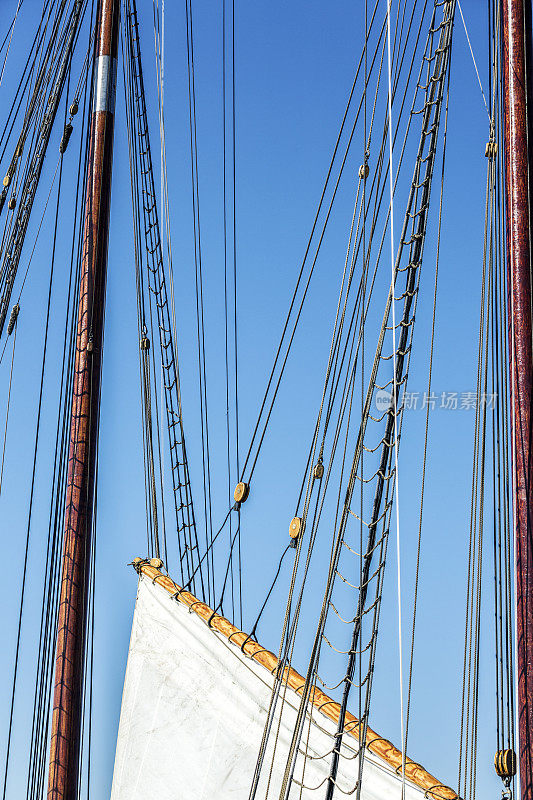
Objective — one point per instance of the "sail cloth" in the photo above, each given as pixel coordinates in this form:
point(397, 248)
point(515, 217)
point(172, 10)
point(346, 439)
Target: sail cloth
point(193, 713)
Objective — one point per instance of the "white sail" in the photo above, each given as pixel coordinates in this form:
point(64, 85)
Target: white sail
point(193, 712)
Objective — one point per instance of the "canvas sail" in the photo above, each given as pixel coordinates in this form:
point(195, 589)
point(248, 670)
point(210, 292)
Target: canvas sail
point(193, 712)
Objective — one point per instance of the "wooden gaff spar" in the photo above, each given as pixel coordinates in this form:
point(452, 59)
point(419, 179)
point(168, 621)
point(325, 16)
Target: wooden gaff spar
point(516, 61)
point(69, 665)
point(195, 699)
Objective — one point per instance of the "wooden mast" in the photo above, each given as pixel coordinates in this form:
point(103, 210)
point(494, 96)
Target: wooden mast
point(516, 62)
point(69, 665)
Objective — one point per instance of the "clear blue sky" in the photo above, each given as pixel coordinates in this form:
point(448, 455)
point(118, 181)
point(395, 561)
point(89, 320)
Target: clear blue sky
point(294, 67)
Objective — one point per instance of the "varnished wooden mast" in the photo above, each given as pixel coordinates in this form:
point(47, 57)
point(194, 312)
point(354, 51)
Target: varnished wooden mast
point(69, 665)
point(516, 62)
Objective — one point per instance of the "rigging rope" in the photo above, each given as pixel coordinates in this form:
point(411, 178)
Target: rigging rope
point(474, 60)
point(436, 58)
point(14, 317)
point(394, 397)
point(200, 327)
point(31, 497)
point(426, 429)
point(9, 34)
point(14, 245)
point(233, 467)
point(154, 298)
point(491, 468)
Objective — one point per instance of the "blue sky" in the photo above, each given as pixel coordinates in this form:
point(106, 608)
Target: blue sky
point(294, 67)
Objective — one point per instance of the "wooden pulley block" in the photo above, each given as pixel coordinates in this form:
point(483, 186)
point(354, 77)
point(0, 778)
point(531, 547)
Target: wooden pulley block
point(137, 564)
point(242, 490)
point(295, 527)
point(318, 471)
point(156, 563)
point(505, 763)
point(364, 171)
point(491, 151)
point(13, 319)
point(12, 202)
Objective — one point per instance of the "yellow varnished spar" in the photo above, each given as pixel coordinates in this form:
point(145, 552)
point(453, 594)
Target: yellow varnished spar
point(381, 747)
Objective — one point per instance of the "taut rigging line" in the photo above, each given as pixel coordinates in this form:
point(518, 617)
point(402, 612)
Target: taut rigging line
point(149, 241)
point(13, 247)
point(415, 218)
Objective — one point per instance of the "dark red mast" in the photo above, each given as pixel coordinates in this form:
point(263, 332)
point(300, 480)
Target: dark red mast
point(516, 64)
point(69, 666)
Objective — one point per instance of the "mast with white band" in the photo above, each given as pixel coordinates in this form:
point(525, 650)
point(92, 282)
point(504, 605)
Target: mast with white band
point(69, 666)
